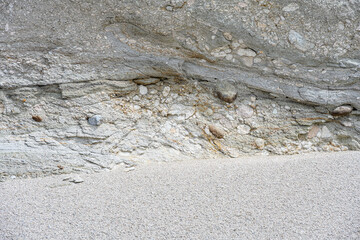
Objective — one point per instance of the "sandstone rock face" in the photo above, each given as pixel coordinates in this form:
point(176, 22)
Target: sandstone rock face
point(291, 64)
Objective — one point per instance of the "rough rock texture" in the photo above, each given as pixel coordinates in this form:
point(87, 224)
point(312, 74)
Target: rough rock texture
point(63, 62)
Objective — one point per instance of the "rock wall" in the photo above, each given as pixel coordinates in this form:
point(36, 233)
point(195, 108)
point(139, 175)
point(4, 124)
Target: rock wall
point(85, 85)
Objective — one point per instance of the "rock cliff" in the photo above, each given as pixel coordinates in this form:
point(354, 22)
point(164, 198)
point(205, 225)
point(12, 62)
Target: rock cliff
point(85, 85)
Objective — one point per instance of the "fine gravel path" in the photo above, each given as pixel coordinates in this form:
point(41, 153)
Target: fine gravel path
point(313, 196)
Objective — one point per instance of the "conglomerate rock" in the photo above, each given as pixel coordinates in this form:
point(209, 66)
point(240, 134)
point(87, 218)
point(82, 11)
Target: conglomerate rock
point(292, 64)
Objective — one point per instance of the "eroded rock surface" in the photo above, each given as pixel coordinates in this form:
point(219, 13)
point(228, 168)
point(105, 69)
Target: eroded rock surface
point(152, 71)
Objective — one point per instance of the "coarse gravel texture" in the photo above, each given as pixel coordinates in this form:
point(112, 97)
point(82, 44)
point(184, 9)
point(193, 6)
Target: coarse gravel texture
point(312, 196)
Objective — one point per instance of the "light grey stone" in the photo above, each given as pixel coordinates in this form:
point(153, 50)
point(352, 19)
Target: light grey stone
point(299, 41)
point(260, 143)
point(76, 179)
point(243, 129)
point(95, 120)
point(246, 53)
point(325, 132)
point(245, 111)
point(143, 90)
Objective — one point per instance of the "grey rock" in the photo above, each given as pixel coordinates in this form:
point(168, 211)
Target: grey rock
point(91, 57)
point(95, 120)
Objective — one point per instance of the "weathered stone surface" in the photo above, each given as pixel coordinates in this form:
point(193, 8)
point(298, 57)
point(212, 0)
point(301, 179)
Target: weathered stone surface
point(67, 60)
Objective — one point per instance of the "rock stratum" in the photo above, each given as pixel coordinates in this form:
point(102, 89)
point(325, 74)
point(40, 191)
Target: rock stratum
point(86, 85)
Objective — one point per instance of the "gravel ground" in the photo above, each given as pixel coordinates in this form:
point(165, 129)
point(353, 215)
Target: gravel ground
point(314, 196)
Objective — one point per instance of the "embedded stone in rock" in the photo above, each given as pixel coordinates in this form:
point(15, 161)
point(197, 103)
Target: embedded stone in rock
point(313, 132)
point(226, 92)
point(95, 120)
point(147, 81)
point(243, 129)
point(217, 131)
point(143, 90)
point(342, 110)
point(291, 7)
point(325, 132)
point(246, 53)
point(37, 118)
point(76, 179)
point(245, 111)
point(260, 143)
point(299, 41)
point(166, 91)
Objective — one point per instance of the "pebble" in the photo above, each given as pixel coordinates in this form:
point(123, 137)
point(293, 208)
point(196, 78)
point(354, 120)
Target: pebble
point(169, 8)
point(166, 91)
point(245, 111)
point(346, 124)
point(226, 92)
point(37, 118)
point(95, 120)
point(227, 36)
point(342, 110)
point(246, 53)
point(325, 132)
point(313, 132)
point(299, 41)
point(243, 129)
point(217, 131)
point(247, 61)
point(260, 143)
point(143, 90)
